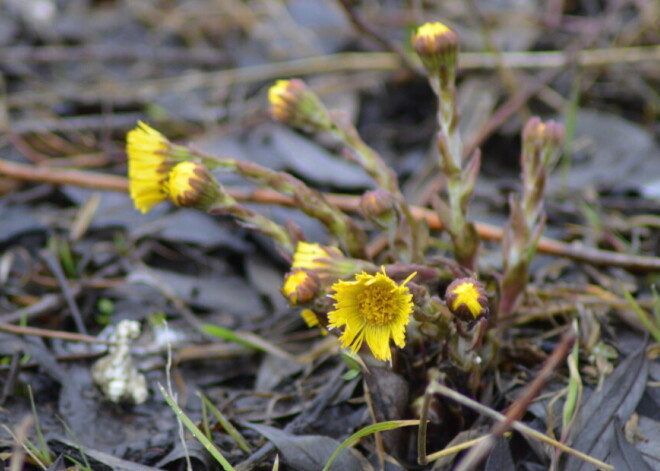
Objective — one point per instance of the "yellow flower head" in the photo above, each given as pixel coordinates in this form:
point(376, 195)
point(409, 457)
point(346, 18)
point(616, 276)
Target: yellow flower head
point(467, 299)
point(327, 262)
point(190, 184)
point(312, 320)
point(293, 103)
point(300, 286)
point(314, 256)
point(372, 308)
point(437, 47)
point(148, 166)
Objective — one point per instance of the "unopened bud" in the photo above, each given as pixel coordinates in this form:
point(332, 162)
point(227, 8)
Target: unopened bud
point(293, 103)
point(545, 138)
point(191, 185)
point(379, 207)
point(300, 286)
point(467, 300)
point(437, 47)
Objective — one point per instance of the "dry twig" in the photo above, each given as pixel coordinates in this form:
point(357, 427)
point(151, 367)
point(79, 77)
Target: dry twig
point(99, 181)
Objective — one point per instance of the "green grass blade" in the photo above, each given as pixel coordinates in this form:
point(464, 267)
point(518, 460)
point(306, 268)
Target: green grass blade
point(226, 424)
point(197, 433)
point(644, 318)
point(368, 430)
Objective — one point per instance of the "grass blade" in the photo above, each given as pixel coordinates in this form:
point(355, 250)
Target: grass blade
point(197, 433)
point(368, 430)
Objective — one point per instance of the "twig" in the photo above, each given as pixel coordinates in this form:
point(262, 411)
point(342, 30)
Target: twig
point(372, 33)
point(517, 426)
point(518, 408)
point(333, 63)
point(108, 53)
point(49, 302)
point(99, 181)
point(73, 337)
point(54, 266)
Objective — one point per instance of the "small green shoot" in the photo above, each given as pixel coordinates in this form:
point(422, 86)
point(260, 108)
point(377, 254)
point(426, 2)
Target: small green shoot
point(42, 449)
point(354, 367)
point(649, 322)
point(574, 395)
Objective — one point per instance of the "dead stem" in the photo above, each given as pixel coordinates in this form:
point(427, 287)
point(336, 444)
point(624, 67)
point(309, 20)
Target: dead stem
point(99, 181)
point(15, 329)
point(343, 62)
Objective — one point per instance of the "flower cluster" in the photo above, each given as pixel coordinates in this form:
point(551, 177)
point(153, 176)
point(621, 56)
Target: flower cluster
point(381, 298)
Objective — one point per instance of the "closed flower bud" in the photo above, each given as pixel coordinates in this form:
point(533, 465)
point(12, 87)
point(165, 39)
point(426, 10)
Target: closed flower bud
point(379, 207)
point(467, 300)
point(546, 138)
point(293, 103)
point(300, 286)
point(191, 185)
point(437, 47)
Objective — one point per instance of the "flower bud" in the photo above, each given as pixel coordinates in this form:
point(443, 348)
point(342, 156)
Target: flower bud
point(327, 262)
point(379, 207)
point(190, 184)
point(300, 286)
point(437, 47)
point(293, 103)
point(466, 299)
point(546, 138)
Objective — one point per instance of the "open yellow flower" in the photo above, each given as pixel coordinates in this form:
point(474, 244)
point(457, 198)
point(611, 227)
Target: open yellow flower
point(372, 308)
point(314, 256)
point(148, 166)
point(327, 262)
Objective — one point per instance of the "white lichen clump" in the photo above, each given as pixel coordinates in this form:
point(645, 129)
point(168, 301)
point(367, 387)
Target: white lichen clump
point(115, 374)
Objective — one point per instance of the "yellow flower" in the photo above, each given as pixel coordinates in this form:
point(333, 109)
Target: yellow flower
point(190, 184)
point(300, 286)
point(314, 256)
point(372, 308)
point(148, 166)
point(327, 262)
point(467, 299)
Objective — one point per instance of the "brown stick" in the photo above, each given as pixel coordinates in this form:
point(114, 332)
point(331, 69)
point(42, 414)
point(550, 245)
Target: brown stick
point(548, 246)
point(518, 408)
